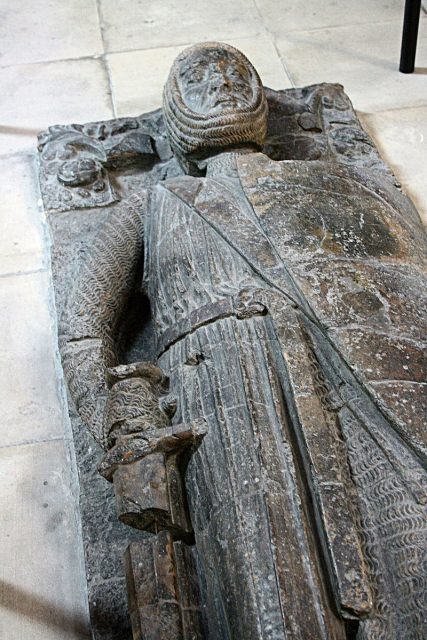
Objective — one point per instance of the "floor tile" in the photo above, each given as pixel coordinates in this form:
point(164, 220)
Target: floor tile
point(401, 137)
point(22, 238)
point(38, 95)
point(363, 58)
point(294, 15)
point(31, 408)
point(143, 24)
point(48, 30)
point(263, 55)
point(42, 585)
point(138, 77)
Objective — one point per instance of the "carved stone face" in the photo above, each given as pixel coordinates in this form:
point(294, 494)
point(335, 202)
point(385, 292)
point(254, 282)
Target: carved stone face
point(214, 82)
point(213, 99)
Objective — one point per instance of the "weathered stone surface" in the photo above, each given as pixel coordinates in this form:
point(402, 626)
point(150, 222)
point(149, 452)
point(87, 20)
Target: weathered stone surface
point(105, 539)
point(42, 580)
point(365, 61)
point(163, 596)
point(44, 87)
point(109, 610)
point(128, 67)
point(30, 397)
point(307, 491)
point(21, 243)
point(312, 123)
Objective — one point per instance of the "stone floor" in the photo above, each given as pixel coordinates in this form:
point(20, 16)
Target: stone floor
point(82, 60)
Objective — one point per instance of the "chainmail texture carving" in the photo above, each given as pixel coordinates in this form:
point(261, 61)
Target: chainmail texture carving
point(190, 132)
point(89, 321)
point(133, 407)
point(277, 491)
point(394, 533)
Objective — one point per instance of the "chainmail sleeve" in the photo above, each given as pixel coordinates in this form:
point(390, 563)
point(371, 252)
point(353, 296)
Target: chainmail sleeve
point(88, 325)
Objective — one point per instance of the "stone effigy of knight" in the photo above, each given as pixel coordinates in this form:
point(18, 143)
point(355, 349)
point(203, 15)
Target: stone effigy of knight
point(274, 445)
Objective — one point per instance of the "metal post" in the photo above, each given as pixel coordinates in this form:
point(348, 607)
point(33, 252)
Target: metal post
point(409, 36)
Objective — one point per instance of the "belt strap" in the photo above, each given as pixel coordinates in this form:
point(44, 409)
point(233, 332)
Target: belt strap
point(243, 305)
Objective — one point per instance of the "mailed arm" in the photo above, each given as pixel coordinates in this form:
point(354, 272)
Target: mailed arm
point(88, 325)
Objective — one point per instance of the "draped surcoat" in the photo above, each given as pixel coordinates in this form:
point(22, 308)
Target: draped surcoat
point(288, 314)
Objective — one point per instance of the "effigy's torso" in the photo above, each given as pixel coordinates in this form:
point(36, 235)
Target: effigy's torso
point(353, 247)
point(338, 247)
point(321, 368)
point(242, 479)
point(187, 264)
point(357, 252)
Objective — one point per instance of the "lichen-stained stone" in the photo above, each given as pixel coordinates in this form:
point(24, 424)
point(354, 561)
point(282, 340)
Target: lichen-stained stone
point(104, 542)
point(409, 399)
point(162, 589)
point(383, 296)
point(357, 251)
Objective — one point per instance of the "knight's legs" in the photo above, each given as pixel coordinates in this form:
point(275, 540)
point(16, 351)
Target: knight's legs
point(258, 567)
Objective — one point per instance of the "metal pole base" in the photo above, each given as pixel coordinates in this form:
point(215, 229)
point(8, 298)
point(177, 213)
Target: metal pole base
point(409, 36)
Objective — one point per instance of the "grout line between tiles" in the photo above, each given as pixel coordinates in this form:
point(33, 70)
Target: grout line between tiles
point(273, 41)
point(253, 35)
point(106, 70)
point(187, 43)
point(105, 62)
point(283, 63)
point(31, 443)
point(110, 85)
point(94, 56)
point(106, 52)
point(100, 23)
point(21, 153)
point(392, 109)
point(334, 27)
point(11, 274)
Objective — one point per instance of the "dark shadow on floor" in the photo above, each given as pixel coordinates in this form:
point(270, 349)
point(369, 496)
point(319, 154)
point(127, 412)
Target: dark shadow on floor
point(40, 610)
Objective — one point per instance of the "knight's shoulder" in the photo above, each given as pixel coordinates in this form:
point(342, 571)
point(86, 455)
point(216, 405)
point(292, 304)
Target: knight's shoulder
point(336, 198)
point(259, 165)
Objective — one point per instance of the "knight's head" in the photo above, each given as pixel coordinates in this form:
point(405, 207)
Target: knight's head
point(213, 99)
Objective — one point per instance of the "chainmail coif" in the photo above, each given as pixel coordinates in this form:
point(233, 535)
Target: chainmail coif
point(191, 132)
